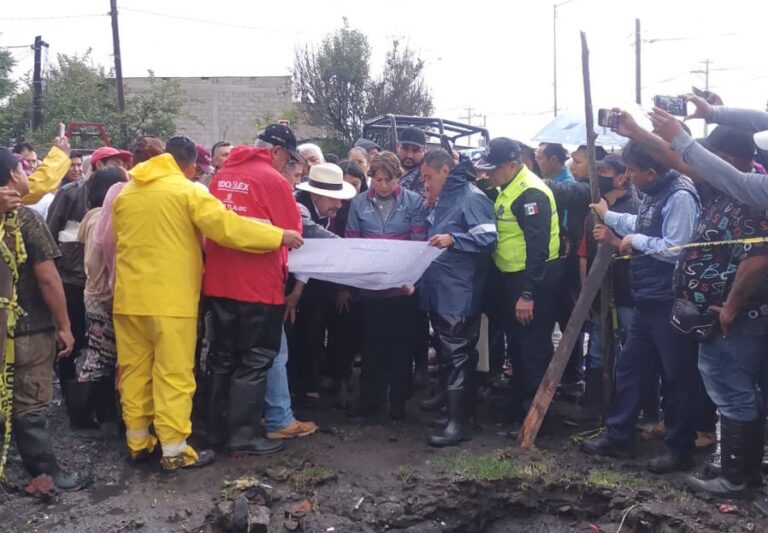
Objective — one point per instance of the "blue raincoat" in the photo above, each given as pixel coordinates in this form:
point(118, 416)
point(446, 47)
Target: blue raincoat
point(454, 283)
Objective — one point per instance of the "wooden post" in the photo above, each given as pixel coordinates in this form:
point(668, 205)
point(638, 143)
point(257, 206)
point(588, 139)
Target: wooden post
point(597, 273)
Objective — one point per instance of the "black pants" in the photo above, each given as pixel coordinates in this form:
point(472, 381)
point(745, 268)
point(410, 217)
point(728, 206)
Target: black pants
point(76, 313)
point(534, 349)
point(246, 341)
point(653, 342)
point(566, 299)
point(420, 338)
point(345, 339)
point(311, 325)
point(387, 353)
point(457, 339)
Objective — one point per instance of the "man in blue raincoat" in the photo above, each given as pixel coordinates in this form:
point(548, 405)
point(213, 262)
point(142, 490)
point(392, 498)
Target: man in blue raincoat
point(463, 223)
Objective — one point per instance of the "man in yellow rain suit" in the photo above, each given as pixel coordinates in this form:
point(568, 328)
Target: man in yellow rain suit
point(48, 174)
point(158, 220)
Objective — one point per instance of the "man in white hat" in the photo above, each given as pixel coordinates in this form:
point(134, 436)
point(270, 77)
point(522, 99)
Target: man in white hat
point(319, 200)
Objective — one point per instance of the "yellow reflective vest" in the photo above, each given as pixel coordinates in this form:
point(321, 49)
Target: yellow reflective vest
point(510, 253)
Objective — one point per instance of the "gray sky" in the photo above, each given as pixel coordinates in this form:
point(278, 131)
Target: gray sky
point(495, 57)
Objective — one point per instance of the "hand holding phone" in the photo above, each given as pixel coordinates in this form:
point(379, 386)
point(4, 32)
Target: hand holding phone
point(674, 105)
point(607, 118)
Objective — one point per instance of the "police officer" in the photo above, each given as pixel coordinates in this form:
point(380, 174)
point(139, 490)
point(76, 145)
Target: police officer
point(527, 262)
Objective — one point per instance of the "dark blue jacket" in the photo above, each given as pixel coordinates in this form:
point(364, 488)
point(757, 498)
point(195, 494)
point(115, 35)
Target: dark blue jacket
point(453, 284)
point(651, 277)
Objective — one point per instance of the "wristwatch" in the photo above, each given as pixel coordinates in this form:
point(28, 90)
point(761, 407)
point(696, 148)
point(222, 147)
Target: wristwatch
point(526, 295)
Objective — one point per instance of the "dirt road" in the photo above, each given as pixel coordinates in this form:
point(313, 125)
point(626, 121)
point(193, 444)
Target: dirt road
point(372, 477)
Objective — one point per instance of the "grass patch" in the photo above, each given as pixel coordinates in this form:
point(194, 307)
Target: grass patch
point(494, 467)
point(609, 479)
point(406, 474)
point(313, 476)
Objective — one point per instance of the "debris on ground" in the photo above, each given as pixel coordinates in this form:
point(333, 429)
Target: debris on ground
point(41, 487)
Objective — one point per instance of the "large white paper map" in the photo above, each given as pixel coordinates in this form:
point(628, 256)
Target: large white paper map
point(374, 264)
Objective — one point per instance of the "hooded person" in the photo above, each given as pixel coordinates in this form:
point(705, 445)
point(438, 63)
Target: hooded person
point(246, 294)
point(158, 219)
point(144, 149)
point(464, 224)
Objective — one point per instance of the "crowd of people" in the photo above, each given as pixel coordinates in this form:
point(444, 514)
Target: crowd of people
point(156, 282)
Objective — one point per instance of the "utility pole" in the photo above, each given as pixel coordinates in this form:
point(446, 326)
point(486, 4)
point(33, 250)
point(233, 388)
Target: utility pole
point(469, 116)
point(554, 50)
point(638, 96)
point(37, 84)
point(118, 61)
point(554, 55)
point(705, 71)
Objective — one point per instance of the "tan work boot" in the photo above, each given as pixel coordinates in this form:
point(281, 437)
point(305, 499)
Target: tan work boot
point(293, 430)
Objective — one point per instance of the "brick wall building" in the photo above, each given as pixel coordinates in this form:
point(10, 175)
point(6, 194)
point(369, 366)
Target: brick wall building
point(227, 108)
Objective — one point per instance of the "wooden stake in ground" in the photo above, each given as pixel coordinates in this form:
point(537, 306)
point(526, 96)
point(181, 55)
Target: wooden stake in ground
point(597, 273)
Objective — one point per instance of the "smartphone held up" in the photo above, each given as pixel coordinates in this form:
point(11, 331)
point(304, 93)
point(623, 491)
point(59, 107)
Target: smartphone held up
point(674, 105)
point(607, 118)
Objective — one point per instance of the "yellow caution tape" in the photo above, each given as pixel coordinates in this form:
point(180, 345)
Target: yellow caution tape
point(10, 226)
point(673, 249)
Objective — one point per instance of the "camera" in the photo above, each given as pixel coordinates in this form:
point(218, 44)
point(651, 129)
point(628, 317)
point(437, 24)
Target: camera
point(674, 105)
point(607, 118)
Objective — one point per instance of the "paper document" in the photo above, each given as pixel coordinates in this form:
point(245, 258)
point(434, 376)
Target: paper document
point(374, 264)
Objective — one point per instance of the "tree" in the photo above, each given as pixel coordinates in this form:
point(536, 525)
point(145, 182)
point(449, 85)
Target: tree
point(338, 92)
point(332, 81)
point(78, 90)
point(293, 115)
point(401, 90)
point(7, 85)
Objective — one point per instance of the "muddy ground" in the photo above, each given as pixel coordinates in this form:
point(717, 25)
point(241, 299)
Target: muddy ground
point(375, 476)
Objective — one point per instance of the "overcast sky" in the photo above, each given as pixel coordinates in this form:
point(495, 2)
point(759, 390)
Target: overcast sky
point(495, 57)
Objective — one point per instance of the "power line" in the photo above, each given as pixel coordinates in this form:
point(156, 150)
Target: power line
point(204, 21)
point(54, 17)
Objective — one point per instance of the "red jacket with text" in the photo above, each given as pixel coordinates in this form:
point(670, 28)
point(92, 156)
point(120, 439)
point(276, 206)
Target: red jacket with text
point(249, 185)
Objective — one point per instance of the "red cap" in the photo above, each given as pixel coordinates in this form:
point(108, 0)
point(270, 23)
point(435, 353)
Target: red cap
point(105, 152)
point(204, 159)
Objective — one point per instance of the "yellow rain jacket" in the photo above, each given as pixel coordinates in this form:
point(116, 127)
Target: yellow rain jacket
point(157, 220)
point(47, 176)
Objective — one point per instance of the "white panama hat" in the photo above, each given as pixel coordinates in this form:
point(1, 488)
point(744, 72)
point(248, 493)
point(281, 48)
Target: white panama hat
point(761, 139)
point(327, 179)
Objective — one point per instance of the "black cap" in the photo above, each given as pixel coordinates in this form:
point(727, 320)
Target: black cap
point(8, 162)
point(367, 144)
point(613, 162)
point(281, 135)
point(731, 141)
point(499, 150)
point(414, 136)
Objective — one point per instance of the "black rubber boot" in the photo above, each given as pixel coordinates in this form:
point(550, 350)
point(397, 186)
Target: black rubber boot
point(34, 443)
point(671, 461)
point(78, 400)
point(104, 401)
point(756, 450)
point(607, 447)
point(456, 430)
point(472, 419)
point(438, 399)
point(732, 483)
point(589, 412)
point(217, 409)
point(246, 407)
